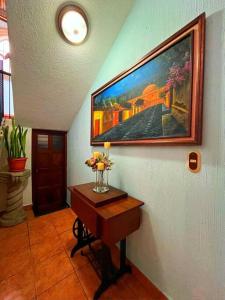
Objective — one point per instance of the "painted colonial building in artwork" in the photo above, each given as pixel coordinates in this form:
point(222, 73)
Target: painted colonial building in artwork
point(104, 118)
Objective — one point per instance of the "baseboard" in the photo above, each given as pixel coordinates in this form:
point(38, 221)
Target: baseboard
point(153, 290)
point(68, 204)
point(149, 286)
point(28, 207)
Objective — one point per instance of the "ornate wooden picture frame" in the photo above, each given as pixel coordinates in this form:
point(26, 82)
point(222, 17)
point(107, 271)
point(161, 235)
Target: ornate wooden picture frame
point(159, 99)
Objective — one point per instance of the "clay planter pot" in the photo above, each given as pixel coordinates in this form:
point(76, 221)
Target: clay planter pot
point(17, 164)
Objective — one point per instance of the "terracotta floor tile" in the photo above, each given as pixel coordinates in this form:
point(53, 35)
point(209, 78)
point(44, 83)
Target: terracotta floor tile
point(47, 248)
point(89, 280)
point(51, 271)
point(14, 244)
point(68, 240)
point(6, 232)
point(136, 287)
point(68, 289)
point(78, 260)
point(67, 212)
point(38, 234)
point(39, 223)
point(55, 214)
point(119, 291)
point(63, 224)
point(15, 263)
point(18, 287)
point(46, 268)
point(30, 215)
point(70, 211)
point(149, 292)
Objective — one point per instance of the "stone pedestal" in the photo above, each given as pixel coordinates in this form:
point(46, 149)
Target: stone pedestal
point(12, 185)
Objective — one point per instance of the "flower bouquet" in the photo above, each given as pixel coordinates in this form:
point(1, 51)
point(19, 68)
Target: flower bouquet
point(100, 162)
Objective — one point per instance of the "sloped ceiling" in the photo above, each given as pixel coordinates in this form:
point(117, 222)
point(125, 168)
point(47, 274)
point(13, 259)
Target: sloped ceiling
point(51, 77)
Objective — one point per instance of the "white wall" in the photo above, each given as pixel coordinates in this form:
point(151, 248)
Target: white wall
point(181, 243)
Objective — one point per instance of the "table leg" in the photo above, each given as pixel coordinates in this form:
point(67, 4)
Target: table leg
point(124, 268)
point(108, 271)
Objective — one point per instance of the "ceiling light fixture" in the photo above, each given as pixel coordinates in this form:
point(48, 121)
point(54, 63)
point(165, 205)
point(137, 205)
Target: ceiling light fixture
point(72, 24)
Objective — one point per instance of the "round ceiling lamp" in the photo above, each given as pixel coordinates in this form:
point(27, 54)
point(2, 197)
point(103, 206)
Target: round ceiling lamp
point(72, 24)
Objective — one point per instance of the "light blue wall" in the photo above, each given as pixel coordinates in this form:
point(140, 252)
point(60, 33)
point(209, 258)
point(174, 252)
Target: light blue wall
point(181, 243)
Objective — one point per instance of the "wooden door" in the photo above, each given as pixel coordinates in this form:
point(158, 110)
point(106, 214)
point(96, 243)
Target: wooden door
point(48, 170)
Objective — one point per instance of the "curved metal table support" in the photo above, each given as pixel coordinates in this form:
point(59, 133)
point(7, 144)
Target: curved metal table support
point(82, 235)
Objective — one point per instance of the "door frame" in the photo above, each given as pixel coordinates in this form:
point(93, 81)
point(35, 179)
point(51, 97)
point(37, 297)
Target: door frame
point(45, 131)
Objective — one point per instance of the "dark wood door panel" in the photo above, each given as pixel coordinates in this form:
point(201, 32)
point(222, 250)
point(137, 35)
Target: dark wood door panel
point(48, 170)
point(43, 179)
point(57, 160)
point(44, 196)
point(46, 178)
point(58, 193)
point(43, 160)
point(57, 177)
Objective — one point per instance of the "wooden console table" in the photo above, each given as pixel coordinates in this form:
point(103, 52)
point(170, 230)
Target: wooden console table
point(109, 217)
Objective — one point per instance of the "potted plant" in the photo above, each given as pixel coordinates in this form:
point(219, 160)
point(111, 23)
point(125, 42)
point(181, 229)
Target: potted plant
point(15, 143)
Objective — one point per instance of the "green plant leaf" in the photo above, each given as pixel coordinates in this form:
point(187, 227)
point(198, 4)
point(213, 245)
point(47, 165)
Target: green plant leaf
point(15, 141)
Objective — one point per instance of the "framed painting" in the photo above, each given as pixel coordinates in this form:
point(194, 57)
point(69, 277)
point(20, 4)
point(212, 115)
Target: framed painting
point(159, 99)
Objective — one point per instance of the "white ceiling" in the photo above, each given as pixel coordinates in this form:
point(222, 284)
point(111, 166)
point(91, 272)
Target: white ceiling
point(51, 77)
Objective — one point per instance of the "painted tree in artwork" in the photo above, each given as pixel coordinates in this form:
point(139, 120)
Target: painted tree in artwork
point(178, 73)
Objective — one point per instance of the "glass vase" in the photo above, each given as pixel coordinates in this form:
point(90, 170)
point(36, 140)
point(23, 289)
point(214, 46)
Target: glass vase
point(101, 182)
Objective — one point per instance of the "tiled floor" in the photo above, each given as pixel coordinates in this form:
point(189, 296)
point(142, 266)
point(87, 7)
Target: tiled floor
point(35, 263)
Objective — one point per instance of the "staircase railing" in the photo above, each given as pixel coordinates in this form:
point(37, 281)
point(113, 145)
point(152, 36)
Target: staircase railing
point(6, 100)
